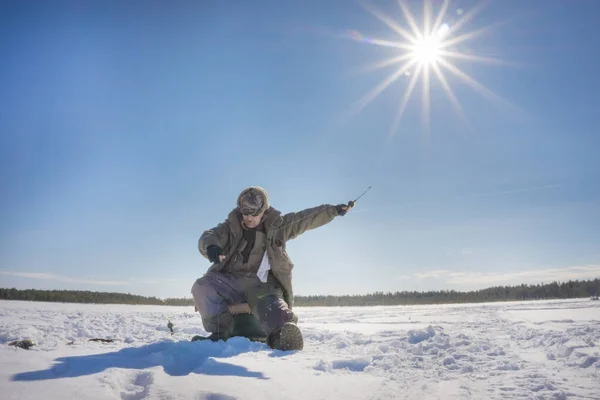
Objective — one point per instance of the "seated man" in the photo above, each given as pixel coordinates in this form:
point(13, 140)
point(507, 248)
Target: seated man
point(251, 265)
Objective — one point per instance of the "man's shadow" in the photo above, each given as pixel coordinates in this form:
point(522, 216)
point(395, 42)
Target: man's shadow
point(176, 358)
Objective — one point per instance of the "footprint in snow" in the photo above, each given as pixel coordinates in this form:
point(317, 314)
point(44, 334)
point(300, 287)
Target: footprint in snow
point(139, 386)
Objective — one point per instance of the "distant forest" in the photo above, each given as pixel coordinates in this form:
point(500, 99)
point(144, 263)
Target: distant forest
point(554, 290)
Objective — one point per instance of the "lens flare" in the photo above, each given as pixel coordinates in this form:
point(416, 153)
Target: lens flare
point(426, 53)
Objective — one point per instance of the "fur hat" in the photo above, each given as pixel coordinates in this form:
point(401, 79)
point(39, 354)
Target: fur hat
point(253, 200)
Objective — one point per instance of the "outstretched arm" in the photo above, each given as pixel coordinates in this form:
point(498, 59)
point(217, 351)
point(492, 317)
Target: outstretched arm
point(296, 223)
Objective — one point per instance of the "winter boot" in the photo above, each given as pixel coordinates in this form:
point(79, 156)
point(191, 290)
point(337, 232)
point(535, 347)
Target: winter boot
point(288, 338)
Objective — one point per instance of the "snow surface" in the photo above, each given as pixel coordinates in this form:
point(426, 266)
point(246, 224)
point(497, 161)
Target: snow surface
point(519, 350)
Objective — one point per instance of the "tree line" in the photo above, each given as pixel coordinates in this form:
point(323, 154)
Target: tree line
point(554, 290)
point(77, 296)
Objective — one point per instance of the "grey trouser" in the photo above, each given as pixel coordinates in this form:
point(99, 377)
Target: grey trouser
point(216, 291)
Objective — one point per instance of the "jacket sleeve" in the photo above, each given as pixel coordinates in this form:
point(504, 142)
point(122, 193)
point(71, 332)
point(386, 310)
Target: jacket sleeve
point(218, 236)
point(296, 223)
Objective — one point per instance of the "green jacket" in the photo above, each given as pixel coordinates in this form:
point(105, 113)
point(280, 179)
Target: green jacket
point(280, 229)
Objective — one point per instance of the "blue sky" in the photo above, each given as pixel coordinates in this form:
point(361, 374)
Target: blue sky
point(128, 129)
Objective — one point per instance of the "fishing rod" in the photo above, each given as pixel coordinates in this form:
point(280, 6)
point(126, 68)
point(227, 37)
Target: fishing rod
point(352, 202)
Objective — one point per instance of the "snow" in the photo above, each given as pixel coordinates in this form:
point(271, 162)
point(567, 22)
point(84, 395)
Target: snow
point(517, 350)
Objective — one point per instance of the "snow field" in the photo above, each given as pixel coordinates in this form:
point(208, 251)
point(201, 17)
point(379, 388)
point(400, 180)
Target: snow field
point(521, 350)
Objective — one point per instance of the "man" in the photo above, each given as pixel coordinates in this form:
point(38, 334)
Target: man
point(251, 265)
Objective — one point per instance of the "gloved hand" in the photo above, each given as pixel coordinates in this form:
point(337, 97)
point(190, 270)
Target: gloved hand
point(342, 209)
point(214, 253)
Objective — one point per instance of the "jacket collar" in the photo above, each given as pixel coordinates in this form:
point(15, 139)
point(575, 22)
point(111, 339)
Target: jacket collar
point(271, 217)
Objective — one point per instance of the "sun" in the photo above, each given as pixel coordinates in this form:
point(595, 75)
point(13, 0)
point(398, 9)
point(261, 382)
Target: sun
point(427, 49)
point(426, 52)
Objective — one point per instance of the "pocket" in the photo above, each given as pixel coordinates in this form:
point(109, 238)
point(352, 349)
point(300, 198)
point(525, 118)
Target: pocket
point(287, 257)
point(286, 261)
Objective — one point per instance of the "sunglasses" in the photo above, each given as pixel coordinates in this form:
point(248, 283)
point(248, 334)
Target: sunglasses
point(253, 213)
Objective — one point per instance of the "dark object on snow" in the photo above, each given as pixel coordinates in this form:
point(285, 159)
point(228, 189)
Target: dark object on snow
point(101, 340)
point(594, 298)
point(245, 325)
point(24, 344)
point(170, 326)
point(213, 337)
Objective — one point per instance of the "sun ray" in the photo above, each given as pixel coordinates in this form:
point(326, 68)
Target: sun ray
point(388, 21)
point(369, 97)
point(440, 17)
point(388, 43)
point(385, 63)
point(425, 99)
point(470, 35)
point(478, 87)
point(448, 90)
point(473, 57)
point(426, 18)
point(418, 35)
point(411, 87)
